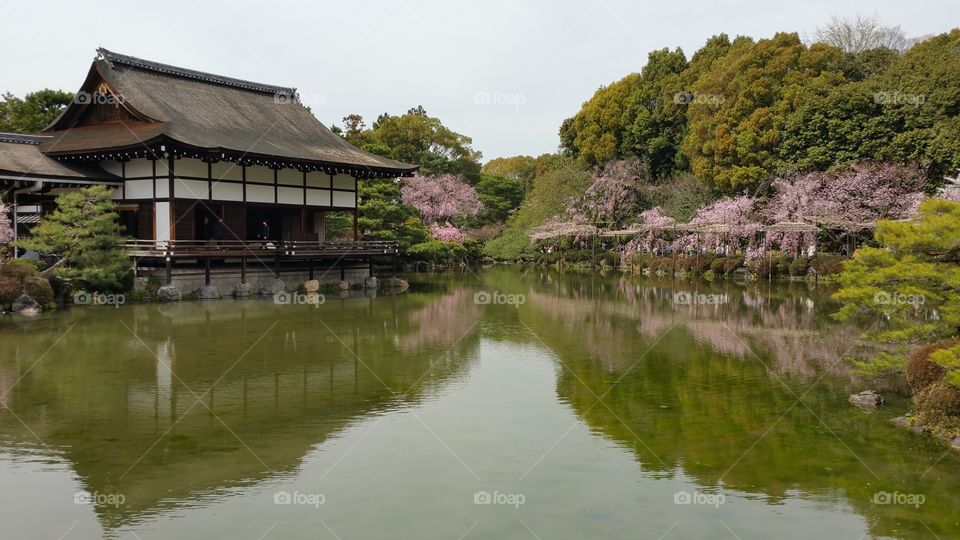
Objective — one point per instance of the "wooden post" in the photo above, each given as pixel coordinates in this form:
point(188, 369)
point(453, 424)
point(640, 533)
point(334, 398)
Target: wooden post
point(343, 274)
point(276, 266)
point(243, 269)
point(206, 271)
point(169, 267)
point(310, 266)
point(171, 196)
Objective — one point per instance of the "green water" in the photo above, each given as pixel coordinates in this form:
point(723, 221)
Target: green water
point(589, 407)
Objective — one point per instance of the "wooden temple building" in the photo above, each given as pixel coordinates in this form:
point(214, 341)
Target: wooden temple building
point(202, 167)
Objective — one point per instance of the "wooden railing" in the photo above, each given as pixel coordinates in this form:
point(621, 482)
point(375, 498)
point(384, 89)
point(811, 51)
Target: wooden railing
point(180, 249)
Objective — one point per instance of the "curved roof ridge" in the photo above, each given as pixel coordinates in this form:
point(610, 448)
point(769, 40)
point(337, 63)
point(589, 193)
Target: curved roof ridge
point(149, 65)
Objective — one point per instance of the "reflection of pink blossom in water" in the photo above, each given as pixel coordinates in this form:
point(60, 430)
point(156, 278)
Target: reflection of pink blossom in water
point(442, 322)
point(783, 333)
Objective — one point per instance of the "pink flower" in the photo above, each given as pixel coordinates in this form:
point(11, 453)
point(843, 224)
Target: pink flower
point(6, 228)
point(850, 201)
point(447, 233)
point(440, 197)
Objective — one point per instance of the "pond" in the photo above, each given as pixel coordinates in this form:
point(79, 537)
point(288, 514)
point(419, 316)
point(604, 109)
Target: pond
point(507, 403)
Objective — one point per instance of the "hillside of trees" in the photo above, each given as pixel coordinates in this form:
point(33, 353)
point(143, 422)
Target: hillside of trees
point(740, 113)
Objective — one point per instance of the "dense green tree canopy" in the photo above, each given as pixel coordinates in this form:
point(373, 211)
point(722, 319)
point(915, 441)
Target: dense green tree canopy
point(500, 195)
point(417, 138)
point(383, 216)
point(912, 281)
point(739, 112)
point(549, 196)
point(32, 113)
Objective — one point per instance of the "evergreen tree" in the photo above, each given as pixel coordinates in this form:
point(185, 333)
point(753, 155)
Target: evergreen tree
point(84, 232)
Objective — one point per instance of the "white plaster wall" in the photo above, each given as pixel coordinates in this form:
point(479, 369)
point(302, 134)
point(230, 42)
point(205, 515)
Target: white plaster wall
point(289, 195)
point(190, 167)
point(225, 191)
point(318, 197)
point(163, 187)
point(139, 189)
point(318, 179)
point(257, 173)
point(139, 167)
point(161, 218)
point(342, 198)
point(190, 189)
point(259, 193)
point(112, 167)
point(290, 177)
point(343, 181)
point(224, 170)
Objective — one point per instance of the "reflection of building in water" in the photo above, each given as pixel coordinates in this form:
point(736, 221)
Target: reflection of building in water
point(208, 398)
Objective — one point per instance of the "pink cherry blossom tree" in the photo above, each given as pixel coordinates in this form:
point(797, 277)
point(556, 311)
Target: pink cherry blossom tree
point(849, 201)
point(613, 196)
point(440, 199)
point(728, 221)
point(6, 229)
point(869, 192)
point(652, 222)
point(447, 232)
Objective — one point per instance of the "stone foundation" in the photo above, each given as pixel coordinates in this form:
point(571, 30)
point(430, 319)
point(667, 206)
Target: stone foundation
point(261, 281)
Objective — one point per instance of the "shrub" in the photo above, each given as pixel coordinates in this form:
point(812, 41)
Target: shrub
point(698, 263)
point(717, 265)
point(949, 359)
point(731, 264)
point(827, 264)
point(782, 265)
point(938, 402)
point(798, 267)
point(39, 289)
point(10, 289)
point(19, 269)
point(921, 372)
point(775, 264)
point(436, 251)
point(611, 258)
point(640, 260)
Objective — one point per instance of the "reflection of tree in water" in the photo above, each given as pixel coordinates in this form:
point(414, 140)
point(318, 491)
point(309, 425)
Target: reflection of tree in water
point(792, 327)
point(125, 413)
point(7, 380)
point(443, 322)
point(700, 402)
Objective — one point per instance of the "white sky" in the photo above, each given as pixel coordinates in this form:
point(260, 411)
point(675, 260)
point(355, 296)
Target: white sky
point(536, 61)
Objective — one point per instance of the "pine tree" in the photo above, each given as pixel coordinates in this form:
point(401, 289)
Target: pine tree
point(84, 232)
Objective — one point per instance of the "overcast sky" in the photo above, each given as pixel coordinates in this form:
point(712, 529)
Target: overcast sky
point(505, 73)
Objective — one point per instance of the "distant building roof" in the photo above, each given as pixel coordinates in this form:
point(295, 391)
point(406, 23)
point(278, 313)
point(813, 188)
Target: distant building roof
point(203, 113)
point(22, 160)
